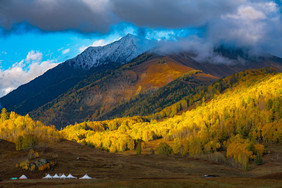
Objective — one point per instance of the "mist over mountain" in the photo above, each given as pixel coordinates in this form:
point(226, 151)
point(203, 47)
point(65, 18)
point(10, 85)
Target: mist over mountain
point(204, 51)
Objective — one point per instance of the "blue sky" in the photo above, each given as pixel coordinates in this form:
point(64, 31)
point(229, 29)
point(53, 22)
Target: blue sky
point(36, 35)
point(60, 46)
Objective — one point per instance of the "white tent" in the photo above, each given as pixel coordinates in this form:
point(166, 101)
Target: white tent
point(63, 176)
point(85, 177)
point(23, 177)
point(47, 177)
point(56, 176)
point(71, 176)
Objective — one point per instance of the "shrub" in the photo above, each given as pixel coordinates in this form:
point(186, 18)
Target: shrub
point(32, 168)
point(258, 159)
point(24, 165)
point(164, 148)
point(44, 167)
point(53, 163)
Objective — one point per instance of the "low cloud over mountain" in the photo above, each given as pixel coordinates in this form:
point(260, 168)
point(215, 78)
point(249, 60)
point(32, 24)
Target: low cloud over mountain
point(255, 24)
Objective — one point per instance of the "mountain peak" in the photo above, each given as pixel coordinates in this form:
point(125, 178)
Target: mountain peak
point(121, 51)
point(129, 36)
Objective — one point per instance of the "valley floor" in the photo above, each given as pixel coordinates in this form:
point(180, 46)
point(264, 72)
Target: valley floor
point(131, 170)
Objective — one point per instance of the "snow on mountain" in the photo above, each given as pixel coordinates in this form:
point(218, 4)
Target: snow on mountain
point(121, 51)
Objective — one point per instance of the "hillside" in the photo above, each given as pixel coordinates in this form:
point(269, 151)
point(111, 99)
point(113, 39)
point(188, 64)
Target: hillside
point(145, 74)
point(148, 103)
point(179, 95)
point(136, 82)
point(203, 94)
point(239, 122)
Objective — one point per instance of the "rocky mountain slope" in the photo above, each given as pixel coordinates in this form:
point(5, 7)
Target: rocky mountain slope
point(120, 52)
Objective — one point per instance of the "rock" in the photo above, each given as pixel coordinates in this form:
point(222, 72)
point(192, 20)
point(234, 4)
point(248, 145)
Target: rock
point(40, 162)
point(43, 161)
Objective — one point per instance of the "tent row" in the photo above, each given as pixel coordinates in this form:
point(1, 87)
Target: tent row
point(63, 176)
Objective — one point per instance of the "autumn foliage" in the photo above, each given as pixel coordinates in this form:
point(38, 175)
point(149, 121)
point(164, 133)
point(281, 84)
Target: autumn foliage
point(24, 131)
point(238, 116)
point(240, 121)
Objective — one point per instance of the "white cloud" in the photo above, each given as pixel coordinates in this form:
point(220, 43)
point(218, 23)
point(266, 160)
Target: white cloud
point(254, 24)
point(99, 43)
point(34, 56)
point(268, 7)
point(66, 51)
point(82, 48)
point(94, 44)
point(248, 13)
point(203, 50)
point(19, 74)
point(7, 90)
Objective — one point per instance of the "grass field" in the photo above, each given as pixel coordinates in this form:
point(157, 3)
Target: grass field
point(131, 170)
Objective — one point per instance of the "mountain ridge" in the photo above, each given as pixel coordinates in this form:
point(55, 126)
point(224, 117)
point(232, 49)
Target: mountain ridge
point(119, 63)
point(121, 51)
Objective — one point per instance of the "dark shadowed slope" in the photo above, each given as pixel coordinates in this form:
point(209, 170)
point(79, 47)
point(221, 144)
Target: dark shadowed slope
point(146, 73)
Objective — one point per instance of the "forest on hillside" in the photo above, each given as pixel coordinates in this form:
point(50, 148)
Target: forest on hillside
point(240, 122)
point(235, 118)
